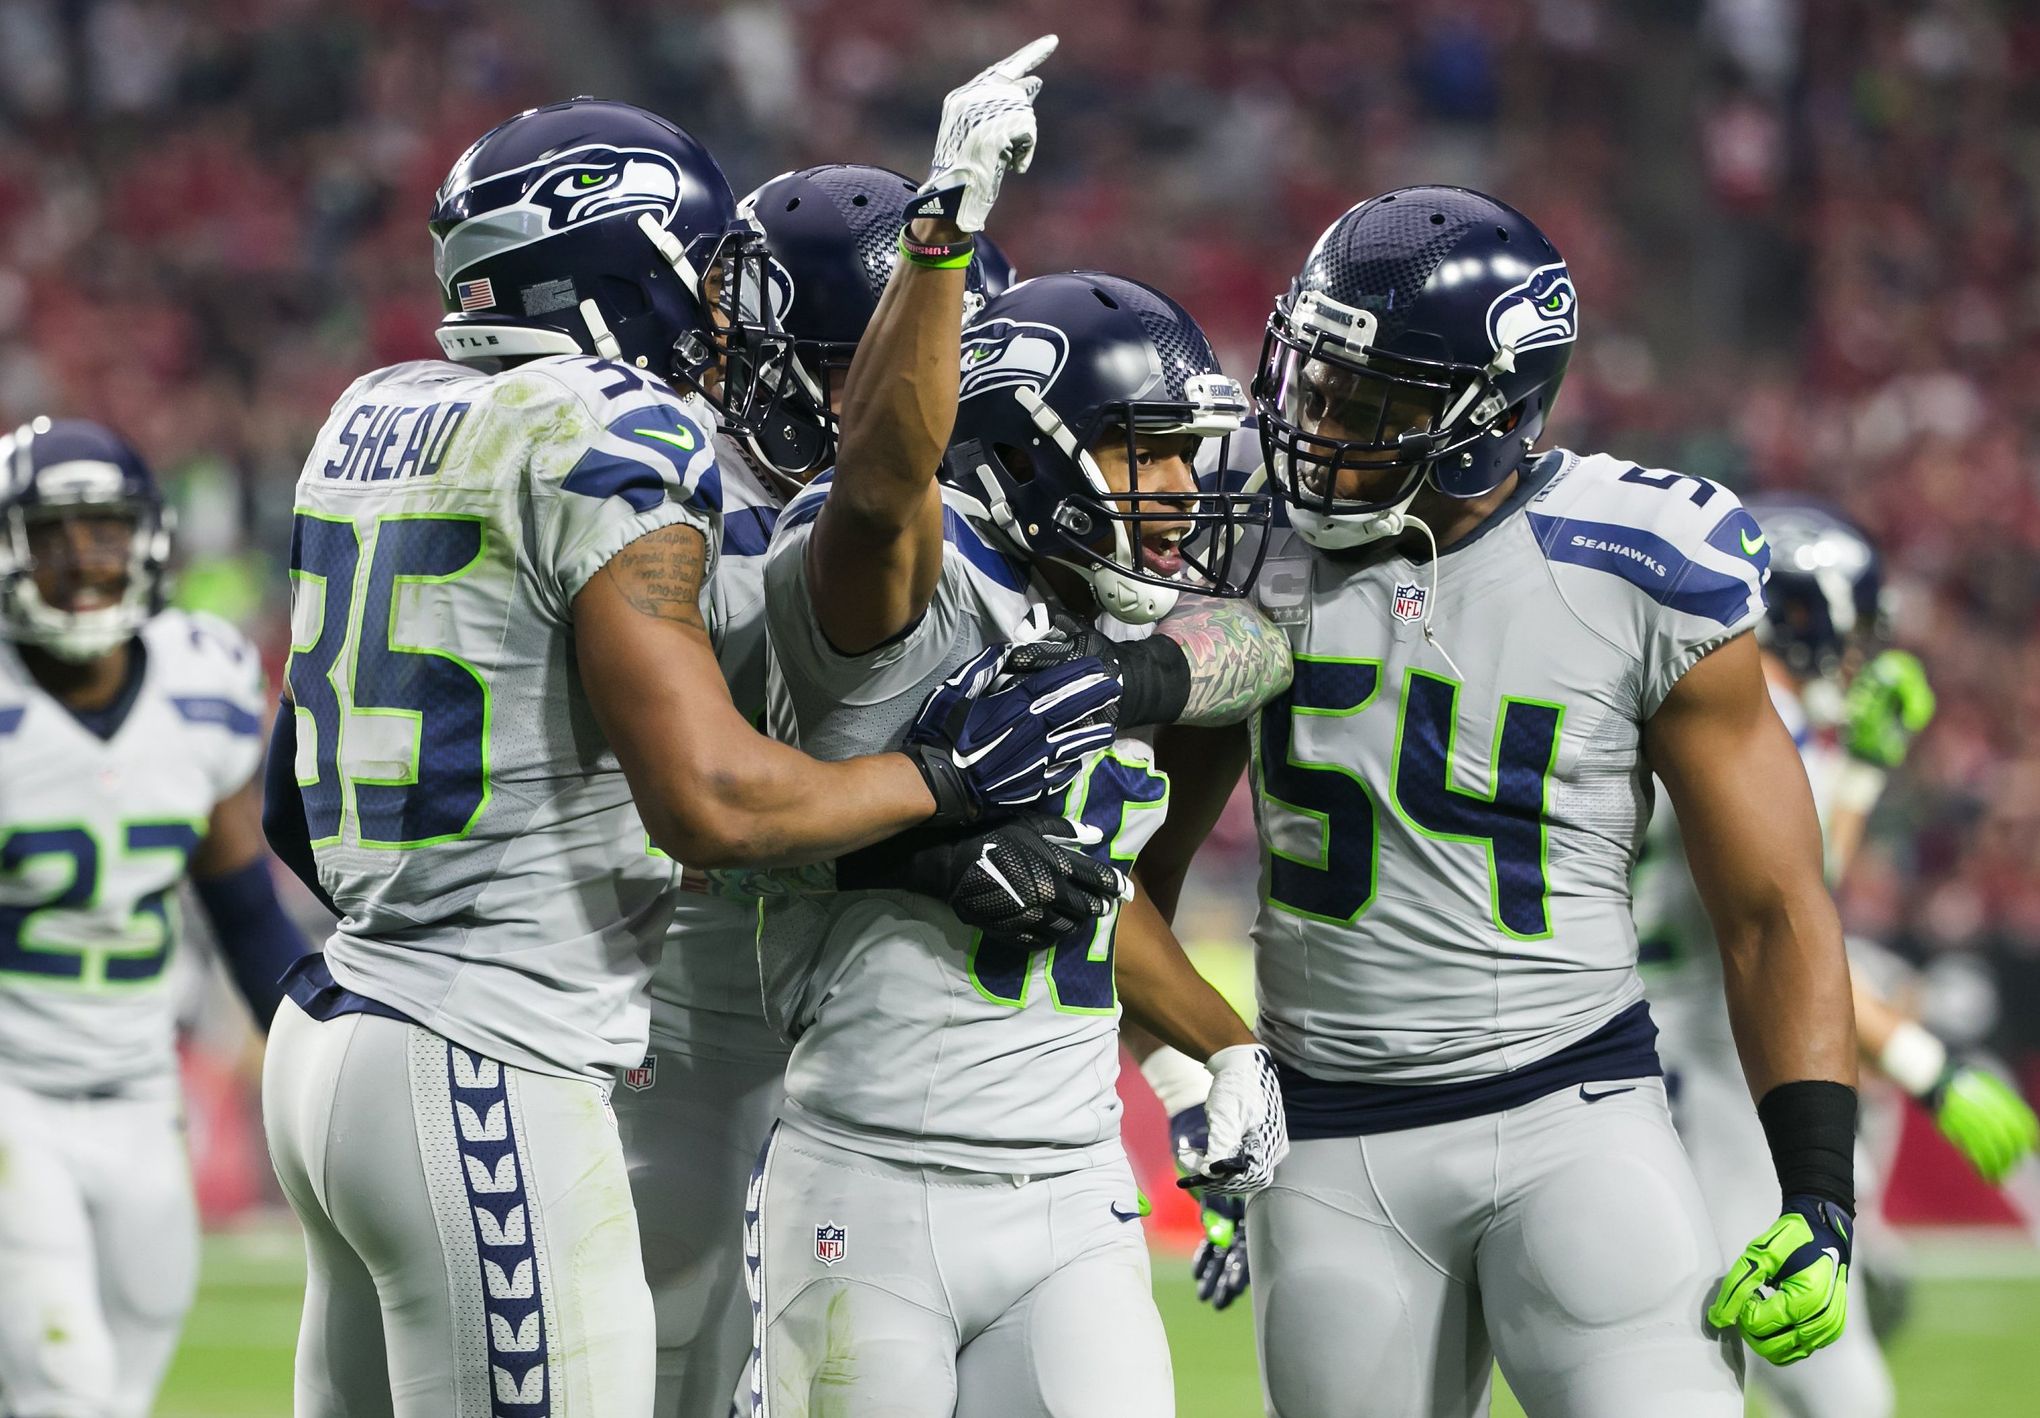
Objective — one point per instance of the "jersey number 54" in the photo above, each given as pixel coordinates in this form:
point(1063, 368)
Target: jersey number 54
point(1507, 820)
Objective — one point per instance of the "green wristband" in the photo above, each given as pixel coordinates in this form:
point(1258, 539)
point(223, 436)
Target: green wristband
point(953, 257)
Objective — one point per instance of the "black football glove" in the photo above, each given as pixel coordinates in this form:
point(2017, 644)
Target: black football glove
point(1025, 881)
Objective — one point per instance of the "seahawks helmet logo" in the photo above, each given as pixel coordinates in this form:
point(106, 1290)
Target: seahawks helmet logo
point(1535, 312)
point(778, 290)
point(513, 209)
point(1000, 354)
point(589, 183)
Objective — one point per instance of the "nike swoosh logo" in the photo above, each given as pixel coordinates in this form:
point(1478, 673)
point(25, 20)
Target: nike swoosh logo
point(684, 440)
point(991, 869)
point(1119, 1215)
point(1606, 1093)
point(1751, 548)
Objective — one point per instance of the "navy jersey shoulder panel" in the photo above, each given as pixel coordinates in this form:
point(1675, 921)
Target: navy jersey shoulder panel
point(1645, 560)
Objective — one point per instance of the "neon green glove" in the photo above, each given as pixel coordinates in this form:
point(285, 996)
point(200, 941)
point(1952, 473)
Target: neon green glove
point(1986, 1119)
point(1889, 701)
point(1788, 1292)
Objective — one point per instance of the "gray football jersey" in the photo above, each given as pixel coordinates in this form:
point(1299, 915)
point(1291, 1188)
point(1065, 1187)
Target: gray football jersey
point(467, 815)
point(95, 835)
point(710, 958)
point(1448, 824)
point(914, 1040)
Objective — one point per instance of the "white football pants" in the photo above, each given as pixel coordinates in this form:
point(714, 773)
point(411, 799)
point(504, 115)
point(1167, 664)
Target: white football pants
point(1564, 1238)
point(98, 1250)
point(886, 1290)
point(693, 1119)
point(473, 1253)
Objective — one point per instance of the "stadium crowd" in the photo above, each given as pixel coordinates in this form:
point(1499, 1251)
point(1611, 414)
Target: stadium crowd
point(1804, 233)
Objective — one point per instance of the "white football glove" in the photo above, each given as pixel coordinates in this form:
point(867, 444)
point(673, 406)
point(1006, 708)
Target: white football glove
point(1249, 1132)
point(987, 127)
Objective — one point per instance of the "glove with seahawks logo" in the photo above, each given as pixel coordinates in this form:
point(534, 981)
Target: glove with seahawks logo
point(1220, 1265)
point(1789, 1290)
point(1989, 1123)
point(987, 127)
point(1026, 881)
point(1247, 1131)
point(1888, 703)
point(986, 739)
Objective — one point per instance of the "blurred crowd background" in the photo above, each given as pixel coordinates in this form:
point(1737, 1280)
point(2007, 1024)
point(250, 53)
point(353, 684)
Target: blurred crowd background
point(1803, 233)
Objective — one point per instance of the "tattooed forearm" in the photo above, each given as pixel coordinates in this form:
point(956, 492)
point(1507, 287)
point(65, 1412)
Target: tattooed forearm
point(1238, 658)
point(755, 883)
point(660, 574)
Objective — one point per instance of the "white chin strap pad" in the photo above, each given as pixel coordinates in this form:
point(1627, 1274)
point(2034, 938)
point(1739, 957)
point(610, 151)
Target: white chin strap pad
point(1334, 532)
point(1128, 600)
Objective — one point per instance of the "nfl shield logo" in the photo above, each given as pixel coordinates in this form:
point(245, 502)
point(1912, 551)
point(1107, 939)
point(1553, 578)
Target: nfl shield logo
point(829, 1243)
point(638, 1079)
point(1409, 601)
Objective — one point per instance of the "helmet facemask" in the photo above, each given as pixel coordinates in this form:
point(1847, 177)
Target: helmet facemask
point(80, 636)
point(1334, 407)
point(1102, 533)
point(794, 428)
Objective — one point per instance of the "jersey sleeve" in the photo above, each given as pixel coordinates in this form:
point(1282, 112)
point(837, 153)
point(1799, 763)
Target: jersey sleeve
point(616, 456)
point(1667, 565)
point(217, 684)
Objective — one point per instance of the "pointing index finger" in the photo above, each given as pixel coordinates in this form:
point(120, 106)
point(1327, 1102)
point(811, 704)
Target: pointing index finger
point(1025, 59)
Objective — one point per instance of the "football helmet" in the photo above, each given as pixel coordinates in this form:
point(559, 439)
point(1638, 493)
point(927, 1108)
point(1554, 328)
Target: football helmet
point(996, 270)
point(592, 227)
point(832, 238)
point(1426, 336)
point(1826, 594)
point(54, 469)
point(1051, 369)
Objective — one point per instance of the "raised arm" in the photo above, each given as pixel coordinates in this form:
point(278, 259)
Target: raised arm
point(876, 553)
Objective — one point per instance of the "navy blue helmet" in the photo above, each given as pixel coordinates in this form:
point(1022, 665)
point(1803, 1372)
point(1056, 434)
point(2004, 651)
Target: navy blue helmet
point(1426, 336)
point(1825, 593)
point(999, 275)
point(832, 237)
point(1053, 371)
point(593, 227)
point(53, 470)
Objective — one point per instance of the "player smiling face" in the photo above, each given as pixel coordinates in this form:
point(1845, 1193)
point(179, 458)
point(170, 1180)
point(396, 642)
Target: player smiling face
point(1160, 463)
point(79, 560)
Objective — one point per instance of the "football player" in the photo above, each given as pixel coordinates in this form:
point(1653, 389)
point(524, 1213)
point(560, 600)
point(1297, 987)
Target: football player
point(502, 683)
point(129, 739)
point(694, 1112)
point(1853, 705)
point(1493, 647)
point(946, 1220)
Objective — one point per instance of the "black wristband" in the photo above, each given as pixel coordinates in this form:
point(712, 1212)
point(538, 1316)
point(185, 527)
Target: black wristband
point(1811, 1127)
point(946, 784)
point(919, 859)
point(1154, 676)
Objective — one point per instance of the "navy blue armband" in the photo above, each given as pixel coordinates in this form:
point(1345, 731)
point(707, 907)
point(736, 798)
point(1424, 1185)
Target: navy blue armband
point(255, 935)
point(283, 807)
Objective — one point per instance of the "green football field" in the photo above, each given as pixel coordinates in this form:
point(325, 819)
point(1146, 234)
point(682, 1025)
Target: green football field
point(1970, 1350)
